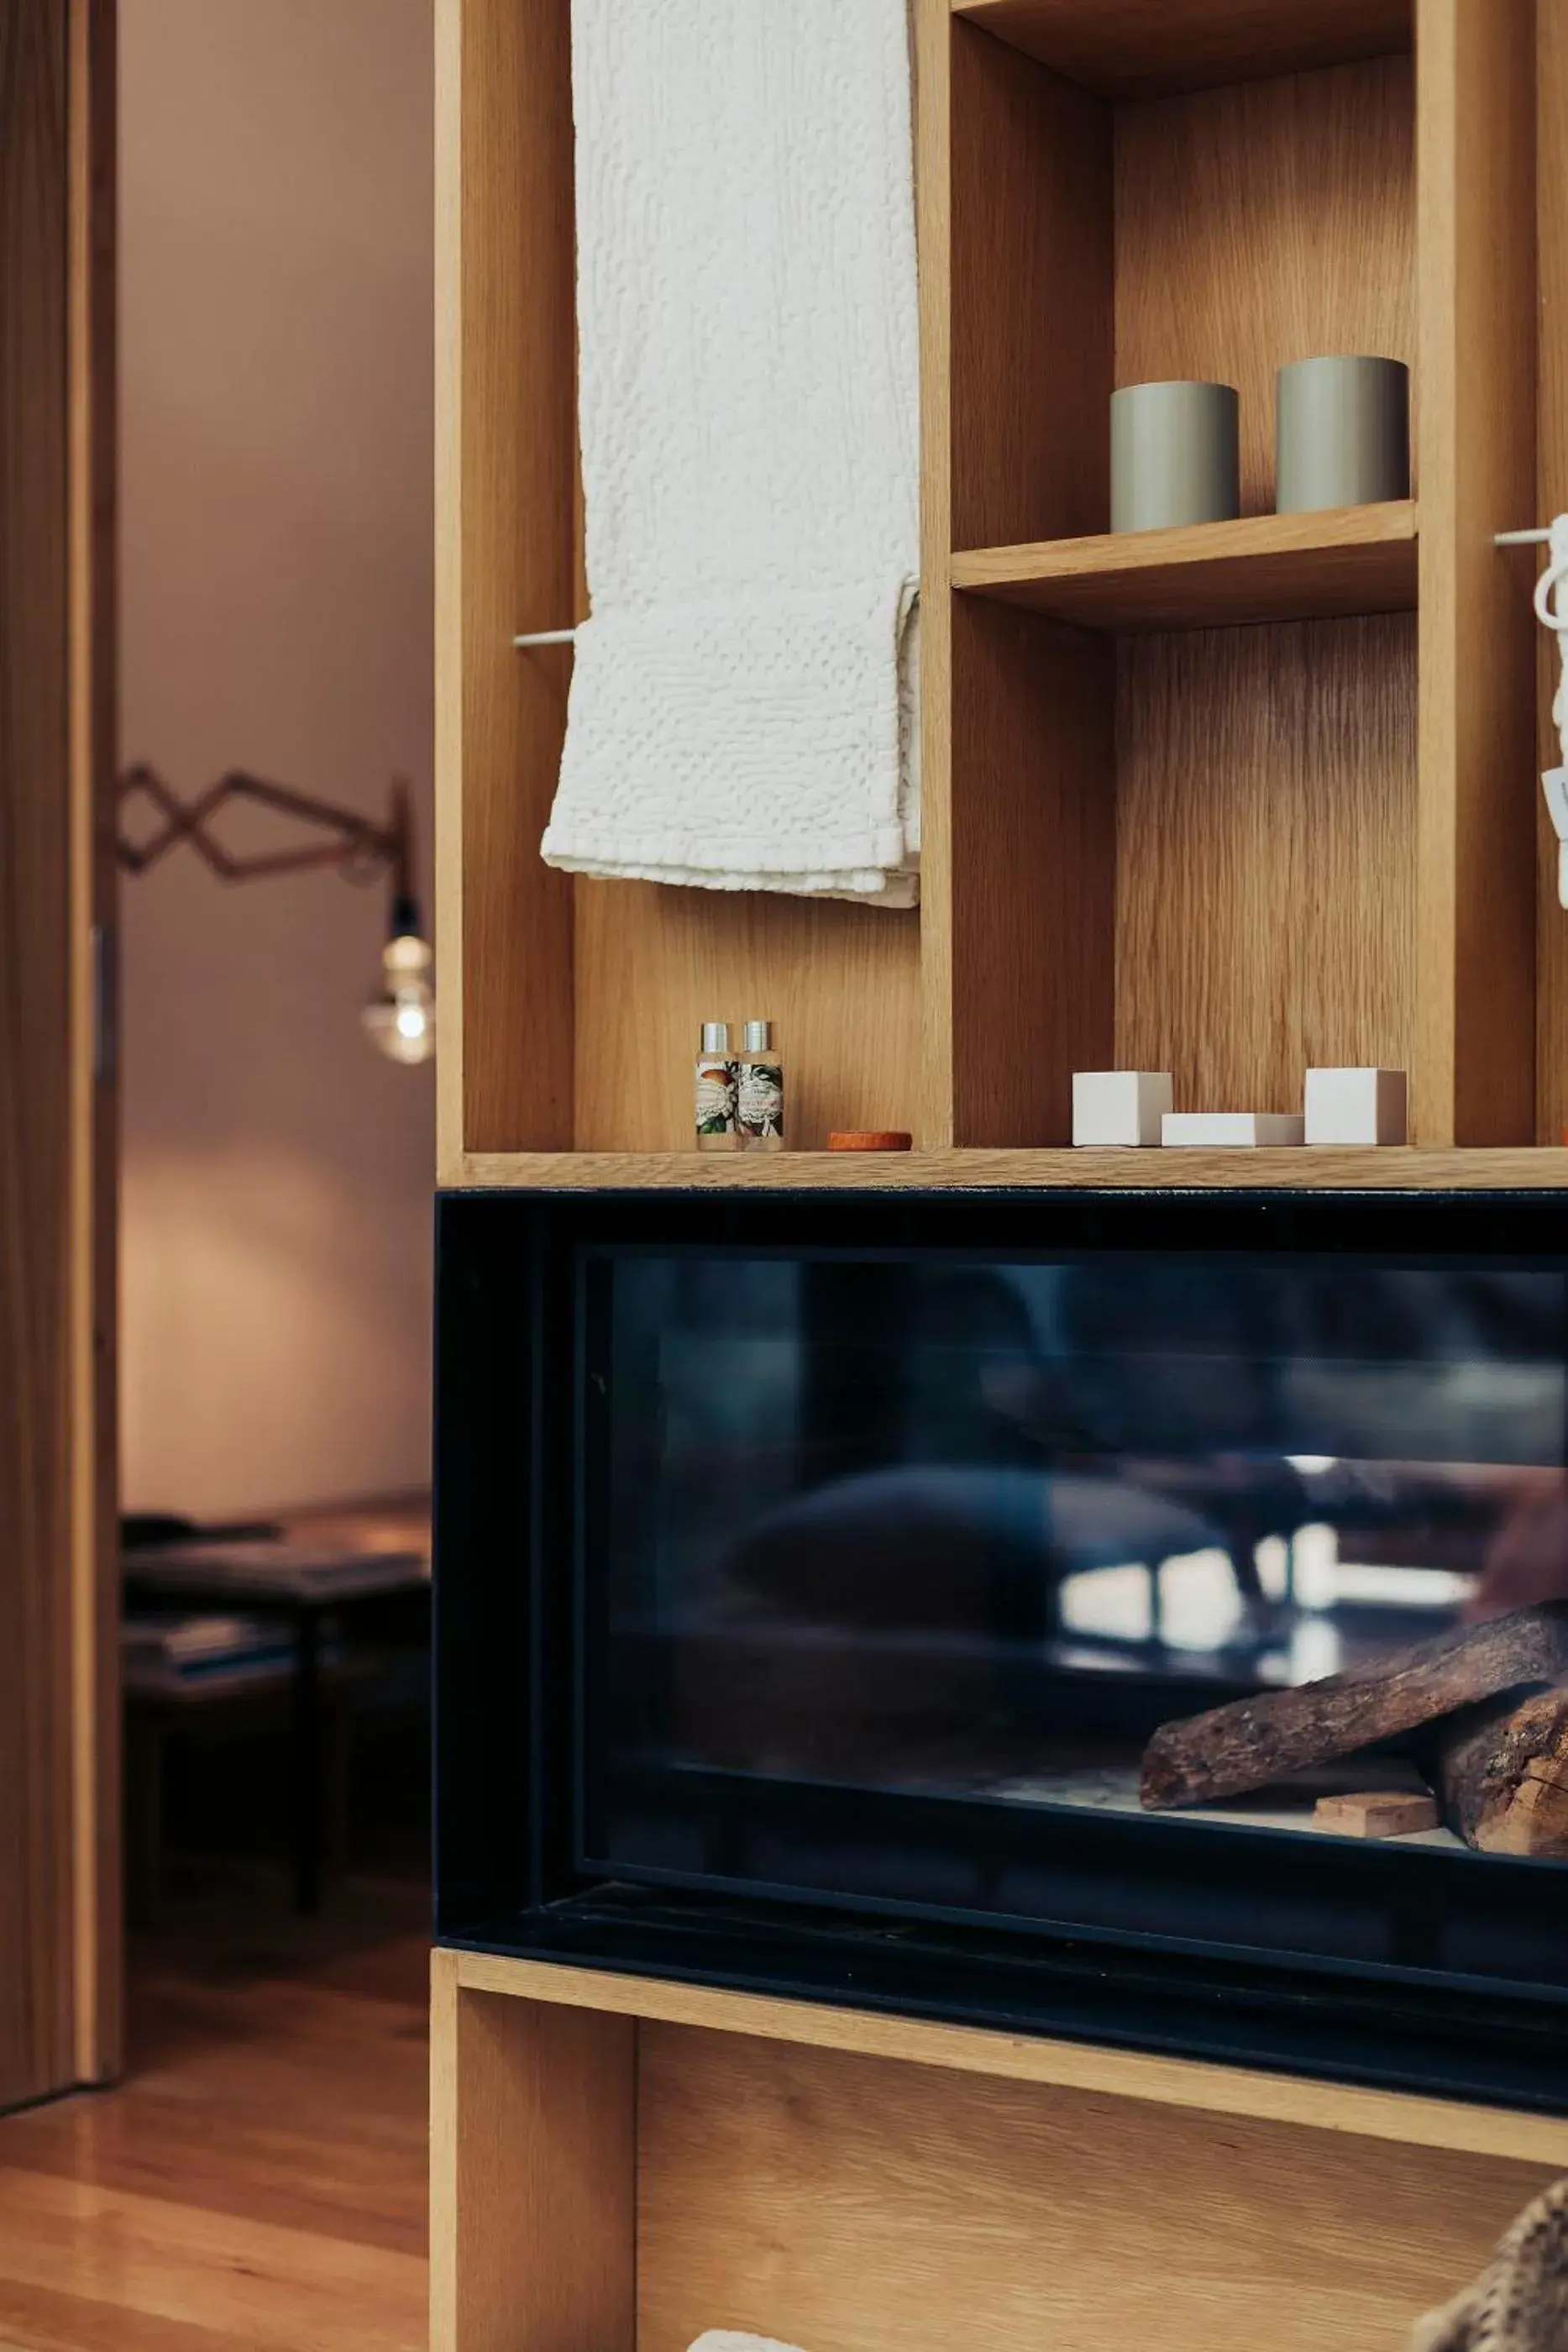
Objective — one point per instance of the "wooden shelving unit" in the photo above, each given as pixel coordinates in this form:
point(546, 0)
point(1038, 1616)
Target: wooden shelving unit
point(1225, 801)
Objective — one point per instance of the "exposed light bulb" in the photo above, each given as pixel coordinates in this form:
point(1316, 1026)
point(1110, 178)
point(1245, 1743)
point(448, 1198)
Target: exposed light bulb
point(401, 1018)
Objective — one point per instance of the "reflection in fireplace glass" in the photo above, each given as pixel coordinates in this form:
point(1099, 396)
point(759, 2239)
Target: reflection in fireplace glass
point(989, 1530)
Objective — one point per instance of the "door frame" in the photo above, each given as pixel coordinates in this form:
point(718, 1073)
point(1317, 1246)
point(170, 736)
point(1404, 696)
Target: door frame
point(61, 1961)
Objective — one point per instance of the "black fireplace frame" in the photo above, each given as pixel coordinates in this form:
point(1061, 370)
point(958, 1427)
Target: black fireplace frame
point(508, 1493)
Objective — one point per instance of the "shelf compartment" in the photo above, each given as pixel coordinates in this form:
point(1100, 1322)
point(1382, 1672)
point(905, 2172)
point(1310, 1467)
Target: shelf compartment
point(1354, 560)
point(1150, 808)
point(576, 1022)
point(1141, 48)
point(1172, 842)
point(618, 2161)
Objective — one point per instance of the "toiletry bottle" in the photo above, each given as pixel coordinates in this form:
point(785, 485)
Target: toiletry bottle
point(761, 1108)
point(717, 1072)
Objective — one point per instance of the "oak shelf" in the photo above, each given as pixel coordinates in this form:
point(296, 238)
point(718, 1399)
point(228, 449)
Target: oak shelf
point(1199, 2084)
point(1354, 559)
point(1386, 1169)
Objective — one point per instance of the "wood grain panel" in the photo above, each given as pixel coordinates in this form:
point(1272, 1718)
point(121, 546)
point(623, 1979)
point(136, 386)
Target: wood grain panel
point(1134, 48)
point(1077, 2066)
point(37, 2022)
point(1265, 224)
point(505, 437)
point(1034, 853)
point(1017, 979)
point(1032, 313)
point(1339, 1169)
point(532, 2155)
point(1552, 498)
point(841, 982)
point(1473, 1075)
point(1265, 905)
point(1351, 560)
point(849, 2202)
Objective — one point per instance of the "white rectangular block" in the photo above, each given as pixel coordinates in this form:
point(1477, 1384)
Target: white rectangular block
point(1356, 1107)
point(1119, 1106)
point(1242, 1131)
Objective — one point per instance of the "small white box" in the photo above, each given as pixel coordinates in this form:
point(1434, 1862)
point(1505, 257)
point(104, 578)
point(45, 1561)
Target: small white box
point(1242, 1130)
point(1356, 1107)
point(1119, 1106)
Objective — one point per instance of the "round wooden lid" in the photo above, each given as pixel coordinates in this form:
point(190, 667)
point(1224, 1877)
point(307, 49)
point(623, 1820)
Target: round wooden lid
point(874, 1139)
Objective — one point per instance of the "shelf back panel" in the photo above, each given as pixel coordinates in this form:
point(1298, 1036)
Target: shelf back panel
point(506, 470)
point(849, 2203)
point(1033, 862)
point(1031, 298)
point(1254, 225)
point(1266, 856)
point(840, 983)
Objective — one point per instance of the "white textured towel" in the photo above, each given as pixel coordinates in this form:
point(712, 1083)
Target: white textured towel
point(729, 2339)
point(742, 701)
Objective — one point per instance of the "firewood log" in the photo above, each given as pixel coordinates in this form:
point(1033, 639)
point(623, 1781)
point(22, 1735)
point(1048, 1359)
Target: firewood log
point(1502, 1774)
point(1255, 1741)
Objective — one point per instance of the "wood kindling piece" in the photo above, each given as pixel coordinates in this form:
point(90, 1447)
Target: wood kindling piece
point(1379, 1814)
point(1501, 1771)
point(1256, 1741)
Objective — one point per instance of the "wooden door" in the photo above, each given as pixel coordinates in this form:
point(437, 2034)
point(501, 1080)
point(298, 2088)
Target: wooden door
point(59, 1965)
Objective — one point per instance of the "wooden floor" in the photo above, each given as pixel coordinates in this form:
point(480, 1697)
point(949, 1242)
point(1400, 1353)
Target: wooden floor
point(258, 2180)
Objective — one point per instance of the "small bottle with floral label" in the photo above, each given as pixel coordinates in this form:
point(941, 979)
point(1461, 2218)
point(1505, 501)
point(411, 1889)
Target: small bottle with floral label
point(716, 1079)
point(761, 1103)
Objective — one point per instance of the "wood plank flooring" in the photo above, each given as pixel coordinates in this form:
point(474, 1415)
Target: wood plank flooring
point(258, 2179)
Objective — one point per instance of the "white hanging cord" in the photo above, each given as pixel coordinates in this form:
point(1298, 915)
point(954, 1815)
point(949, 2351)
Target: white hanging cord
point(1546, 611)
point(1549, 614)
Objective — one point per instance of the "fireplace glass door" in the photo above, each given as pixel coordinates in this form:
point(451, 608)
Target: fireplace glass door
point(899, 1573)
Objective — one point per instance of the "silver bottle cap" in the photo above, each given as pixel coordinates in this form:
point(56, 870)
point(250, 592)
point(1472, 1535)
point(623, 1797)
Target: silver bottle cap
point(759, 1036)
point(715, 1037)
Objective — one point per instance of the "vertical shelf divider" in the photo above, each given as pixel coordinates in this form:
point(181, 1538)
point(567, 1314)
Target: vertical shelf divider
point(933, 181)
point(1473, 1075)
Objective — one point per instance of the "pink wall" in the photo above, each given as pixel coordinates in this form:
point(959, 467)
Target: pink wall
point(276, 597)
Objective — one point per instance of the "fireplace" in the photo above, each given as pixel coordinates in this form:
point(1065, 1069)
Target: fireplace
point(819, 1579)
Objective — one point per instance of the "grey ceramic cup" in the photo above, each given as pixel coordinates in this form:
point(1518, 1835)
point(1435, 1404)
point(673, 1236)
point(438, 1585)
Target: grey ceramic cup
point(1343, 434)
point(1175, 454)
